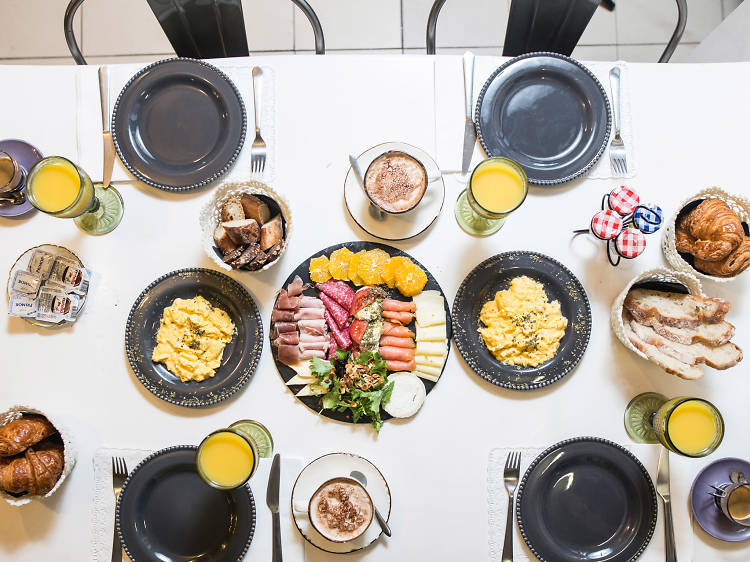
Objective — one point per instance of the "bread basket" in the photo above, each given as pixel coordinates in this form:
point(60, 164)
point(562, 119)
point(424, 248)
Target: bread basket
point(69, 458)
point(209, 216)
point(739, 204)
point(658, 275)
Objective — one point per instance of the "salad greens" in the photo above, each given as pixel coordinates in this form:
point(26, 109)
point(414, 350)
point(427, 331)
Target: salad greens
point(358, 384)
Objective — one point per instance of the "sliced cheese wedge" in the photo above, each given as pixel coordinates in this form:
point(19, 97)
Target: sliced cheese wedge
point(302, 369)
point(432, 333)
point(432, 348)
point(427, 376)
point(430, 360)
point(299, 379)
point(311, 390)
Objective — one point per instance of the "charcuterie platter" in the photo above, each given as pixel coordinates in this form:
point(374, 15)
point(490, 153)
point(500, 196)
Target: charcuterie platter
point(360, 332)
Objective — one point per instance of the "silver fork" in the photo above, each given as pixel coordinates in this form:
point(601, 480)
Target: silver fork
point(617, 148)
point(510, 479)
point(119, 474)
point(258, 149)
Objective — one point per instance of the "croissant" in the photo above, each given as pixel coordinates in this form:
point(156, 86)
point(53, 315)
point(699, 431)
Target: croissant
point(710, 232)
point(36, 472)
point(733, 264)
point(19, 434)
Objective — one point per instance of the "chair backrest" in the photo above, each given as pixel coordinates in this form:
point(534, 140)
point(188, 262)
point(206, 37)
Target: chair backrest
point(203, 29)
point(546, 25)
point(199, 28)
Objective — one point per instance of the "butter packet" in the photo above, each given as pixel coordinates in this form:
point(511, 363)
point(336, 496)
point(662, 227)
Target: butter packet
point(41, 263)
point(55, 305)
point(25, 282)
point(71, 275)
point(22, 305)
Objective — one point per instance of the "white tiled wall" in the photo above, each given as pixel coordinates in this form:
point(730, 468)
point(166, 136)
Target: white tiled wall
point(126, 30)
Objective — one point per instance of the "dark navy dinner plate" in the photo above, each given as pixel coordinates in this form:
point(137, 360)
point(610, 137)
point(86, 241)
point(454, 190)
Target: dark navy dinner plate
point(495, 274)
point(241, 355)
point(586, 499)
point(179, 124)
point(166, 512)
point(547, 112)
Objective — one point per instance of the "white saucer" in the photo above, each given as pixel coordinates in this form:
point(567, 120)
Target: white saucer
point(327, 467)
point(406, 225)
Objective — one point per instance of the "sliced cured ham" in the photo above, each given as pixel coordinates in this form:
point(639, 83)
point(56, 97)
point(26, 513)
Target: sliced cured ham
point(398, 316)
point(308, 314)
point(289, 354)
point(295, 287)
point(401, 365)
point(397, 330)
point(310, 353)
point(310, 302)
point(286, 301)
point(339, 314)
point(315, 327)
point(394, 341)
point(341, 335)
point(282, 315)
point(399, 306)
point(287, 338)
point(282, 327)
point(319, 345)
point(338, 291)
point(396, 353)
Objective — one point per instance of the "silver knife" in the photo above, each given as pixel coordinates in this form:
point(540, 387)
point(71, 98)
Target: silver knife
point(272, 501)
point(109, 145)
point(470, 132)
point(662, 487)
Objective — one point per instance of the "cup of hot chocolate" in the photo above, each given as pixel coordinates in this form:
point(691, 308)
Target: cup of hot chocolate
point(395, 182)
point(340, 509)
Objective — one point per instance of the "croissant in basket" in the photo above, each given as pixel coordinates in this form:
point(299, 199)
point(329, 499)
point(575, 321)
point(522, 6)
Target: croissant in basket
point(710, 232)
point(734, 263)
point(36, 472)
point(18, 435)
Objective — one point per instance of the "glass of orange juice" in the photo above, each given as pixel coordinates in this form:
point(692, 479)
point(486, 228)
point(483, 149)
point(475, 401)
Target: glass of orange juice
point(497, 187)
point(227, 458)
point(691, 427)
point(60, 188)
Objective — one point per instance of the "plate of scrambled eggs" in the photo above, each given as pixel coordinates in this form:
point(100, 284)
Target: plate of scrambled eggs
point(522, 320)
point(194, 337)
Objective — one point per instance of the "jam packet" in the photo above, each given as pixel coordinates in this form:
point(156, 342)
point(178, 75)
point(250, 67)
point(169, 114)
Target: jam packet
point(25, 282)
point(69, 274)
point(55, 305)
point(41, 263)
point(22, 305)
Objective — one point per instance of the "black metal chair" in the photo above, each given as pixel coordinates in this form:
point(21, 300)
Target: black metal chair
point(551, 25)
point(202, 29)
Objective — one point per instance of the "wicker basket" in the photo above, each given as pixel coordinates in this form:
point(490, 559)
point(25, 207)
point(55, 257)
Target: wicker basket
point(210, 216)
point(661, 275)
point(738, 203)
point(69, 459)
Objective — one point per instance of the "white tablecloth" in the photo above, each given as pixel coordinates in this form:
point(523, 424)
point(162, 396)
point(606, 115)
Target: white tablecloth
point(690, 121)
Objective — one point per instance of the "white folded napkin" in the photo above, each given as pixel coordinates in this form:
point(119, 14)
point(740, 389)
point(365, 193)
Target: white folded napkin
point(89, 131)
point(103, 510)
point(680, 480)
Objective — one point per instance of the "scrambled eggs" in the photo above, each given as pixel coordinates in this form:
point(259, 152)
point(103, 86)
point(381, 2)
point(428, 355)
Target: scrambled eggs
point(522, 326)
point(191, 338)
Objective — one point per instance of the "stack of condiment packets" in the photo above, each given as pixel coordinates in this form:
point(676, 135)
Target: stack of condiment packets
point(49, 289)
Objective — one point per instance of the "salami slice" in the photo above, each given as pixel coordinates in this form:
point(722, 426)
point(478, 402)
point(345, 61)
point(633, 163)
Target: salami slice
point(338, 291)
point(342, 336)
point(340, 315)
point(333, 344)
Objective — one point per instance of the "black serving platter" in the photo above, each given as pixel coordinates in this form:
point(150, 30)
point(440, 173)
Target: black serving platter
point(586, 499)
point(241, 355)
point(303, 270)
point(179, 124)
point(547, 112)
point(495, 274)
point(166, 512)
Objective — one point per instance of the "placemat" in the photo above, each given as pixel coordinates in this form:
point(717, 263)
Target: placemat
point(89, 133)
point(681, 480)
point(103, 509)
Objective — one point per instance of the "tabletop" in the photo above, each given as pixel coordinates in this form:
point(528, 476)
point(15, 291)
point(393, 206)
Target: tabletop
point(688, 121)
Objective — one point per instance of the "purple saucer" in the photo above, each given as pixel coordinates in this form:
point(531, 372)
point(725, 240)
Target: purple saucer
point(26, 155)
point(706, 512)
